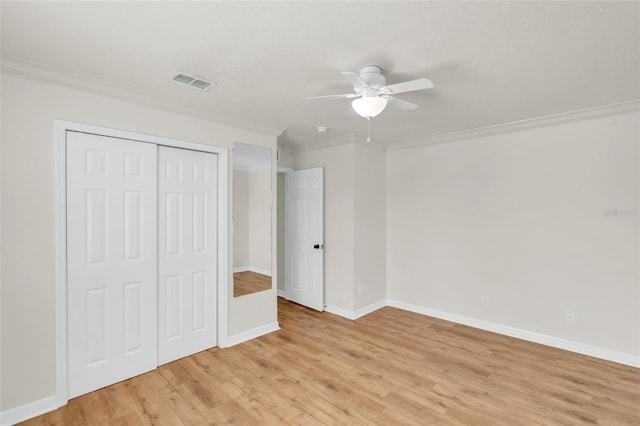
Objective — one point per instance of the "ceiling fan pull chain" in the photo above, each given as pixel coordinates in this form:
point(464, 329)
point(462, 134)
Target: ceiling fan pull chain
point(368, 129)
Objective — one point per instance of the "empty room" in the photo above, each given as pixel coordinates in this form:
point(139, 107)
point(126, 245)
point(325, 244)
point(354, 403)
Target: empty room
point(320, 212)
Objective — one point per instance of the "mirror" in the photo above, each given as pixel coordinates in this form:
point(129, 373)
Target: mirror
point(251, 219)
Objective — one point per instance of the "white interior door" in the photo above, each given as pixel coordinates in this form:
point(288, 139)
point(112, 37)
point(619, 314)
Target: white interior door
point(187, 225)
point(111, 255)
point(304, 260)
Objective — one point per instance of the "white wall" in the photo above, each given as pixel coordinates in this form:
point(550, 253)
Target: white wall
point(369, 236)
point(540, 218)
point(28, 257)
point(354, 223)
point(286, 158)
point(526, 219)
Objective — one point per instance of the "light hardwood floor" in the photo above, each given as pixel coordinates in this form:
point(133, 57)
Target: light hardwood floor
point(389, 368)
point(249, 282)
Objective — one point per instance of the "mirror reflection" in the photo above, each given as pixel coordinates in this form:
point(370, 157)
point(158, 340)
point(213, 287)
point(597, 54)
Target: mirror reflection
point(251, 219)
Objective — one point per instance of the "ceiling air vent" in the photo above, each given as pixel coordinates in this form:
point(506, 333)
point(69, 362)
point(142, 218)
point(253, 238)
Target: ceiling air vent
point(192, 81)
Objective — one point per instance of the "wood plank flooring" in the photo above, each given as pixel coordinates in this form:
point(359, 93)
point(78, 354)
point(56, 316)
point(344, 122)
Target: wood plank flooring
point(249, 282)
point(388, 368)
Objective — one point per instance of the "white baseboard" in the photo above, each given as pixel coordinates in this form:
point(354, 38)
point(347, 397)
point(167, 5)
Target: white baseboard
point(33, 409)
point(253, 333)
point(340, 311)
point(280, 293)
point(556, 342)
point(252, 269)
point(370, 308)
point(28, 411)
point(353, 315)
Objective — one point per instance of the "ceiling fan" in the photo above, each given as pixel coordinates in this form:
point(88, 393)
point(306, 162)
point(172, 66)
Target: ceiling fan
point(372, 93)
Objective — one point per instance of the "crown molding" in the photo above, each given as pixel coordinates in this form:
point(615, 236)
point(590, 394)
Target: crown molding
point(20, 67)
point(632, 105)
point(347, 139)
point(325, 143)
point(378, 146)
point(23, 68)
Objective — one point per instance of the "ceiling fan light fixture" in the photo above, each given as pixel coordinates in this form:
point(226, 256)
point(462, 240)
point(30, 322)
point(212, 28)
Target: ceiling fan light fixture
point(369, 106)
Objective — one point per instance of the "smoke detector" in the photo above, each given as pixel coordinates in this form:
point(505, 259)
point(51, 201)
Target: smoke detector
point(195, 82)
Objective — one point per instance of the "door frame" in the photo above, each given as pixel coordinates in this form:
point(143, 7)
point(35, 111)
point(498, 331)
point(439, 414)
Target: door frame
point(60, 129)
point(281, 293)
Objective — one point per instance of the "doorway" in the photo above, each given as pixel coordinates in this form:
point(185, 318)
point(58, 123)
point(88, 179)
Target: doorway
point(304, 237)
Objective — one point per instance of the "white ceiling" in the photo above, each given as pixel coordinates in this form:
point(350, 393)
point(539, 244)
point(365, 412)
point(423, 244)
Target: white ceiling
point(491, 62)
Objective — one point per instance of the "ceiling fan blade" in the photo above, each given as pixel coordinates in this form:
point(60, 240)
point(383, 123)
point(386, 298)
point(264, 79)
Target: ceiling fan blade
point(399, 103)
point(341, 96)
point(407, 86)
point(356, 80)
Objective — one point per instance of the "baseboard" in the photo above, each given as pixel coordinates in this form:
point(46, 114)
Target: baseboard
point(340, 311)
point(353, 315)
point(28, 411)
point(252, 269)
point(556, 342)
point(280, 293)
point(36, 408)
point(253, 333)
point(370, 308)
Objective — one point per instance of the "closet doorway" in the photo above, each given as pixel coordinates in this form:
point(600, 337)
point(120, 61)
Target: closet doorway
point(142, 267)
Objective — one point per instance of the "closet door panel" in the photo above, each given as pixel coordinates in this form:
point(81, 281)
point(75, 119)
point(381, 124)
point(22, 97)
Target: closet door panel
point(112, 260)
point(187, 252)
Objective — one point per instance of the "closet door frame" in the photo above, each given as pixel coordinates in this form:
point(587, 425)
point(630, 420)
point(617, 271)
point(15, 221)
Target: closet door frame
point(61, 128)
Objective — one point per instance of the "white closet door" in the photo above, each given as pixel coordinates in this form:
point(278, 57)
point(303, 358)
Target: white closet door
point(187, 252)
point(112, 260)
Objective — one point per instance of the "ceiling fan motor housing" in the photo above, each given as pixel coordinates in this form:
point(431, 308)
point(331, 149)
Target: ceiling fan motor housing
point(372, 75)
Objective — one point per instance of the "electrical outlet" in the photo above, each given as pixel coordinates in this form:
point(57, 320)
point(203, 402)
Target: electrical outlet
point(485, 300)
point(360, 290)
point(569, 316)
